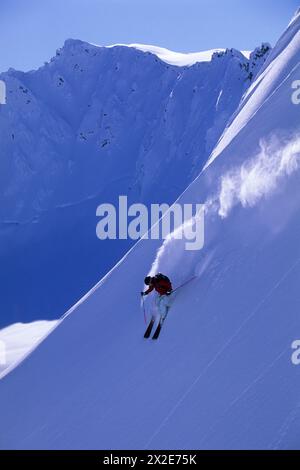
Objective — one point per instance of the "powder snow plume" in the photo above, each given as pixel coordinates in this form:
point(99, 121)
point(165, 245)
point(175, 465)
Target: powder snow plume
point(261, 175)
point(245, 185)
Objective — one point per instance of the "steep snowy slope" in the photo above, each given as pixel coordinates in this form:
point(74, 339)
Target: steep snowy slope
point(90, 125)
point(221, 374)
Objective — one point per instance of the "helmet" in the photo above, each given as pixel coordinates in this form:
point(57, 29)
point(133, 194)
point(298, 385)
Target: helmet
point(147, 280)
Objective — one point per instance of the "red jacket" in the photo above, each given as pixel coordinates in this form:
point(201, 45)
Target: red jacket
point(161, 286)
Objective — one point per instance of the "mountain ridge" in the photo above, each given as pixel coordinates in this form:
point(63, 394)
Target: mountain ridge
point(89, 125)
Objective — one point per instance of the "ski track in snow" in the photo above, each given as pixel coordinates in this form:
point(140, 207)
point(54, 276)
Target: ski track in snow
point(260, 376)
point(283, 431)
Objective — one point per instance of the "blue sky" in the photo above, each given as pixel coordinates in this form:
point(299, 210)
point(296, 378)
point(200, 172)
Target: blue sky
point(31, 31)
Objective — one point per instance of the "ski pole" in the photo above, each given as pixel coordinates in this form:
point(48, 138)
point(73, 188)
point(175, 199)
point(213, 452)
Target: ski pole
point(144, 310)
point(185, 283)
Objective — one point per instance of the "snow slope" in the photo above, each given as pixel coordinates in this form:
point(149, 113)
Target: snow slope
point(221, 374)
point(18, 339)
point(92, 124)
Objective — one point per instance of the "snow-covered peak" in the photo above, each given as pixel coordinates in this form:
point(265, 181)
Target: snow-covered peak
point(175, 58)
point(258, 57)
point(179, 59)
point(260, 51)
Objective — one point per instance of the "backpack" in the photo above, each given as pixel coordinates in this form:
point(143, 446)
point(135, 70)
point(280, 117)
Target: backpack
point(162, 277)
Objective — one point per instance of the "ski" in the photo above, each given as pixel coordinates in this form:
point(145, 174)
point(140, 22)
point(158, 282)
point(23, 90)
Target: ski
point(149, 328)
point(157, 331)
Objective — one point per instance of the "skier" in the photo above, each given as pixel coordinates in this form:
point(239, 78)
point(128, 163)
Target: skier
point(162, 285)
